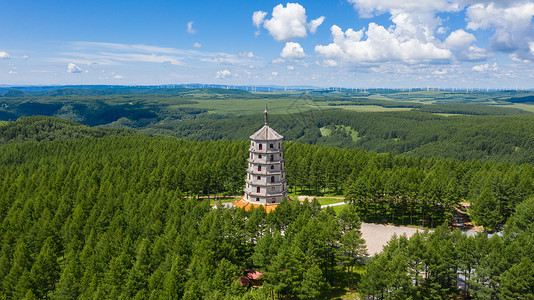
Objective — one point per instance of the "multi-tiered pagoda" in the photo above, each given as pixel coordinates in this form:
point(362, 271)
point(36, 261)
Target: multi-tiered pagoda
point(266, 176)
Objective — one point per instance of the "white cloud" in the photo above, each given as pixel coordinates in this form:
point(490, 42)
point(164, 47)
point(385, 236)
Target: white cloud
point(247, 54)
point(316, 23)
point(485, 68)
point(12, 72)
point(274, 73)
point(512, 22)
point(461, 42)
point(4, 55)
point(381, 45)
point(25, 57)
point(117, 76)
point(197, 45)
point(368, 8)
point(190, 28)
point(258, 17)
point(72, 68)
point(278, 60)
point(139, 57)
point(223, 74)
point(459, 39)
point(290, 68)
point(292, 50)
point(287, 22)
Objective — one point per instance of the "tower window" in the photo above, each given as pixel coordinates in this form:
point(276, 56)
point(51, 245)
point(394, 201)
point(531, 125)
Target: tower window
point(279, 145)
point(271, 146)
point(261, 146)
point(259, 178)
point(272, 167)
point(272, 157)
point(259, 156)
point(259, 168)
point(258, 190)
point(257, 199)
point(272, 178)
point(273, 201)
point(272, 189)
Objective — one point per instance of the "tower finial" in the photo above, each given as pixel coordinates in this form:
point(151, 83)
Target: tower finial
point(266, 114)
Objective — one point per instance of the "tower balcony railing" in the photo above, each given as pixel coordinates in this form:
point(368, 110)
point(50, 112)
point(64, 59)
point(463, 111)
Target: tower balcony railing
point(263, 183)
point(266, 171)
point(261, 161)
point(265, 150)
point(264, 195)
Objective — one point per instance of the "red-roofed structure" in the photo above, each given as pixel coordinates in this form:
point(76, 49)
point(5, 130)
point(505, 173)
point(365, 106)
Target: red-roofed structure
point(252, 278)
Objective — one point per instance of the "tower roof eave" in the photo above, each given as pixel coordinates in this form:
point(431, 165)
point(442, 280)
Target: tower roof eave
point(266, 133)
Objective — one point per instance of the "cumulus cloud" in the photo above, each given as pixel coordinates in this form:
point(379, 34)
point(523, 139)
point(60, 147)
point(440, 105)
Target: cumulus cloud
point(190, 28)
point(4, 55)
point(512, 23)
point(287, 23)
point(223, 74)
point(316, 23)
point(290, 68)
point(485, 68)
point(197, 45)
point(72, 68)
point(258, 17)
point(461, 42)
point(274, 73)
point(292, 50)
point(380, 45)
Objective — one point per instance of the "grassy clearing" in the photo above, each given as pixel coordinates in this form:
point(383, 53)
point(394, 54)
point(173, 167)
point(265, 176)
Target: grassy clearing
point(523, 106)
point(324, 131)
point(253, 106)
point(326, 201)
point(223, 200)
point(353, 133)
point(338, 208)
point(373, 108)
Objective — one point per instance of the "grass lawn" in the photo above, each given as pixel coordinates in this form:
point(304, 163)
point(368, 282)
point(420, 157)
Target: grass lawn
point(224, 200)
point(325, 201)
point(338, 208)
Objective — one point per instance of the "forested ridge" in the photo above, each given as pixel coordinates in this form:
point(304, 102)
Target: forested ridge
point(497, 138)
point(110, 217)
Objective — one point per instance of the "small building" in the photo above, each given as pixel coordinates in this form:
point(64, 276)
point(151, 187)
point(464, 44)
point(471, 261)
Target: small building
point(266, 182)
point(251, 278)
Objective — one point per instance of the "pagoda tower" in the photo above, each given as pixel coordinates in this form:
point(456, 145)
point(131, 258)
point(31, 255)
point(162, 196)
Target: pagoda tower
point(266, 176)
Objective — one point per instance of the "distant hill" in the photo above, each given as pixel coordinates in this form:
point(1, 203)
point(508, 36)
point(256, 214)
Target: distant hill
point(16, 93)
point(527, 99)
point(40, 128)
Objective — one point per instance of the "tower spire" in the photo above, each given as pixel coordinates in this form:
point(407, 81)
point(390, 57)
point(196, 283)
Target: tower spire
point(266, 114)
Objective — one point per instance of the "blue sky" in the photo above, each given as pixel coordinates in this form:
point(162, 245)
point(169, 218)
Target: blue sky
point(344, 43)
